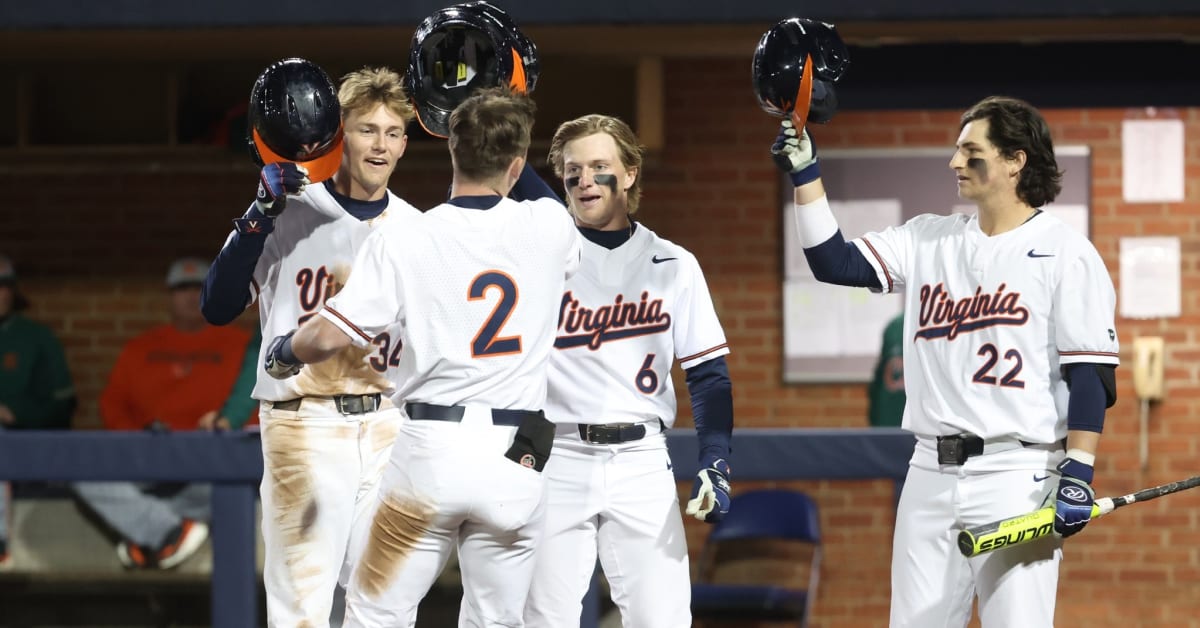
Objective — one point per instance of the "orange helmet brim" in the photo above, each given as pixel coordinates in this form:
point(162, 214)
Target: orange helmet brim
point(319, 169)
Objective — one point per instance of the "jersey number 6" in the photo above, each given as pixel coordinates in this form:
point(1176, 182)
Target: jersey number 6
point(487, 341)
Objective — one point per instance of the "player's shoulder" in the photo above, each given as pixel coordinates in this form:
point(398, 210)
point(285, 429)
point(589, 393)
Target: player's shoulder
point(399, 207)
point(663, 250)
point(313, 198)
point(1055, 233)
point(938, 223)
point(546, 207)
point(547, 214)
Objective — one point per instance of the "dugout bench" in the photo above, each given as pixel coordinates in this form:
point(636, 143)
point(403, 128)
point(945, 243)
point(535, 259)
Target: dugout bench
point(233, 463)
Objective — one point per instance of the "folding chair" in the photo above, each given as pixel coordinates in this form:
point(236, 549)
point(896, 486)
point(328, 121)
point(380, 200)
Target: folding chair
point(765, 515)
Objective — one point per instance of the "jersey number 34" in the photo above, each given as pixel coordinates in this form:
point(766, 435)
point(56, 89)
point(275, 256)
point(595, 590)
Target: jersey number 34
point(488, 342)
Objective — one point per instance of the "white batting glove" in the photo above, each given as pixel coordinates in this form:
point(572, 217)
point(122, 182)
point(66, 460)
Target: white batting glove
point(796, 154)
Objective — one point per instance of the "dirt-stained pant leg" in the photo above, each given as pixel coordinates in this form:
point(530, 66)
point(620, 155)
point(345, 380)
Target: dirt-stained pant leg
point(449, 484)
point(375, 450)
point(313, 477)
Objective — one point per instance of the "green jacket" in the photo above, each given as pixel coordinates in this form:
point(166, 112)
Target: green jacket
point(34, 380)
point(886, 391)
point(240, 405)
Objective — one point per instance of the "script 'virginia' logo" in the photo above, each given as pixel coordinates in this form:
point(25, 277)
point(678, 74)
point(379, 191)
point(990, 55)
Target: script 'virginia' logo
point(580, 326)
point(943, 317)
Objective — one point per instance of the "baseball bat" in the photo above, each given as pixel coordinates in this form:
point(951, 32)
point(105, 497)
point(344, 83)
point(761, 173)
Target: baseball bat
point(1034, 525)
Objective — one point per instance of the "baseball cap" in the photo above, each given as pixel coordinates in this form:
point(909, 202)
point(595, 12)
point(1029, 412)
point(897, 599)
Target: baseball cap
point(187, 271)
point(8, 273)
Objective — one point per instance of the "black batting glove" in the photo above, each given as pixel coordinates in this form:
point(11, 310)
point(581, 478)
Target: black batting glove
point(796, 154)
point(275, 182)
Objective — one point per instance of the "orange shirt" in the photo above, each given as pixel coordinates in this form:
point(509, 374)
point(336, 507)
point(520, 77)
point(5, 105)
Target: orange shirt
point(172, 376)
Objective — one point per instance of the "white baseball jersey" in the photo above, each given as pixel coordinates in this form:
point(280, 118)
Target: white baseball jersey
point(474, 291)
point(625, 317)
point(989, 321)
point(306, 259)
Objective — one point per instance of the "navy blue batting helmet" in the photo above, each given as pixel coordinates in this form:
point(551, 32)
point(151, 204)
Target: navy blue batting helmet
point(460, 50)
point(295, 116)
point(795, 66)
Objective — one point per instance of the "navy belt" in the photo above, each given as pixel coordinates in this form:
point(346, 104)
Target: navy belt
point(346, 404)
point(418, 411)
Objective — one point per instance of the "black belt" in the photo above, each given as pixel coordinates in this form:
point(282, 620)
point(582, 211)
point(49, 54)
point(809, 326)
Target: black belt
point(611, 433)
point(958, 448)
point(418, 411)
point(346, 404)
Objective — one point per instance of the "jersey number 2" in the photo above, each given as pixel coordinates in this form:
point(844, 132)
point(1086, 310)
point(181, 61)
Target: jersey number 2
point(487, 342)
point(992, 355)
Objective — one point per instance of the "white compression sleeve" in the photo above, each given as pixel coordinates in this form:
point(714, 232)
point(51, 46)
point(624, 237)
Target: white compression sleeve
point(815, 222)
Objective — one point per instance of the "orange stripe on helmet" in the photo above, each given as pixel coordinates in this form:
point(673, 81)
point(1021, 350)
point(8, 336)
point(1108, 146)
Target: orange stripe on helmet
point(319, 169)
point(803, 95)
point(517, 83)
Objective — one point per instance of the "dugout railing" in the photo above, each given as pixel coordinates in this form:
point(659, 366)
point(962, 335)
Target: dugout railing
point(233, 463)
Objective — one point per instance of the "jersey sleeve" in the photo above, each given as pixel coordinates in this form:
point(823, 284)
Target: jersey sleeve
point(890, 251)
point(1085, 312)
point(370, 300)
point(697, 332)
point(561, 228)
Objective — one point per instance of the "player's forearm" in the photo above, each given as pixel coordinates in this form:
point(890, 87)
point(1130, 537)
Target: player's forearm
point(1084, 441)
point(711, 394)
point(318, 340)
point(226, 291)
point(809, 192)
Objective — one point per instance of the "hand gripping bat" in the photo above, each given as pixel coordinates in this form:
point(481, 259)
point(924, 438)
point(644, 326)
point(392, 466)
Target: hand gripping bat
point(1034, 525)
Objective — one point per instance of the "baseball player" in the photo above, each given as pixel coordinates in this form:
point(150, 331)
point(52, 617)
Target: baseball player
point(638, 304)
point(475, 283)
point(1009, 362)
point(327, 432)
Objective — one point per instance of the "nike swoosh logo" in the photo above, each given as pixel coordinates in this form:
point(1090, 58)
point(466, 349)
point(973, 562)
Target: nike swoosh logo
point(1032, 254)
point(1037, 479)
point(658, 260)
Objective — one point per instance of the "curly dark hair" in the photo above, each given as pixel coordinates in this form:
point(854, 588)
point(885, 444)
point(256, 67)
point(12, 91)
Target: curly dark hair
point(1015, 125)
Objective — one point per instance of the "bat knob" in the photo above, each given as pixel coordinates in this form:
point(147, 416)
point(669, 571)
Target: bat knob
point(966, 543)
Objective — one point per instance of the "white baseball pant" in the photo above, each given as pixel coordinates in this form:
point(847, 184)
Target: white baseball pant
point(618, 501)
point(933, 584)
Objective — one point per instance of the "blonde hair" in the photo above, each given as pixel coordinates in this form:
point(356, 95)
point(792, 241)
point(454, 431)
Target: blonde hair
point(629, 149)
point(365, 89)
point(489, 130)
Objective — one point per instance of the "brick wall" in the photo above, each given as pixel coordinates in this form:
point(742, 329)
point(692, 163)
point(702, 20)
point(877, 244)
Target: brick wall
point(93, 243)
